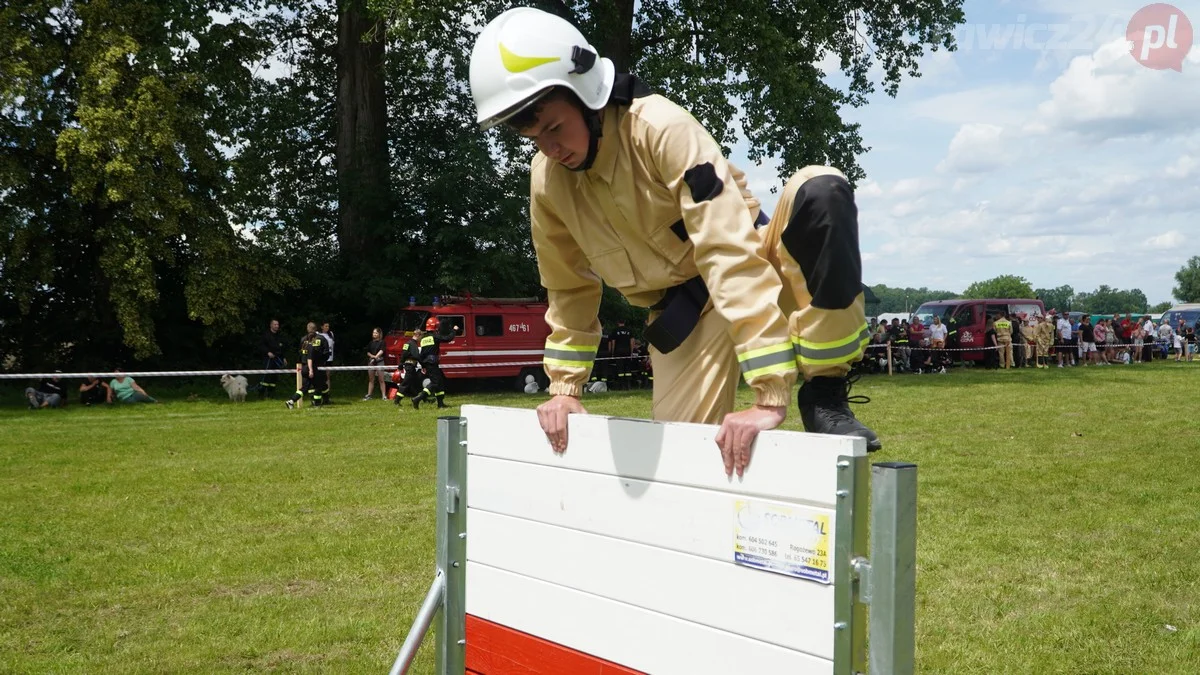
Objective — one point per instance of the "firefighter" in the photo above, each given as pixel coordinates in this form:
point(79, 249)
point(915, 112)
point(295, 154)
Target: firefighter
point(620, 346)
point(409, 375)
point(304, 370)
point(430, 355)
point(1029, 352)
point(1004, 337)
point(318, 357)
point(1044, 334)
point(628, 189)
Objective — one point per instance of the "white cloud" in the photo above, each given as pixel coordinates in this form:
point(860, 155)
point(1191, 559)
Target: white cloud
point(992, 104)
point(1165, 241)
point(1108, 94)
point(913, 187)
point(1183, 167)
point(977, 148)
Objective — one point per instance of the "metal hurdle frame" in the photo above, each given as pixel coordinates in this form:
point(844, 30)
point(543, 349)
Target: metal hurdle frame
point(875, 568)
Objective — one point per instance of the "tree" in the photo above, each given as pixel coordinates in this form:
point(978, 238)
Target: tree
point(362, 148)
point(1056, 298)
point(1188, 278)
point(112, 131)
point(1106, 300)
point(1161, 307)
point(754, 62)
point(904, 299)
point(1004, 286)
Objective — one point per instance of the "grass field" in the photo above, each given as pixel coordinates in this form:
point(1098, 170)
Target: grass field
point(1059, 524)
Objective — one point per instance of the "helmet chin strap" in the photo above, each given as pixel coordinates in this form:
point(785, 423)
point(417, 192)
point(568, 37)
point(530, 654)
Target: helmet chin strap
point(592, 119)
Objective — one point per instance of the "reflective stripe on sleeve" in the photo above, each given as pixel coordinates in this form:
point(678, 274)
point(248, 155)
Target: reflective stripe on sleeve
point(830, 353)
point(574, 356)
point(766, 360)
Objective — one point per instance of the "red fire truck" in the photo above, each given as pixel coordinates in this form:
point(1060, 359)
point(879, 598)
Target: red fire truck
point(495, 337)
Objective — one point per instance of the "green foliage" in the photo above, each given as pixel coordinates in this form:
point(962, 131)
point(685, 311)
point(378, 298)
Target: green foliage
point(112, 135)
point(1105, 300)
point(893, 300)
point(1003, 286)
point(1161, 307)
point(1056, 298)
point(754, 62)
point(1188, 278)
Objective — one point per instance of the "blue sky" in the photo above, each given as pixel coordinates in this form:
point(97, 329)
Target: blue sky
point(1040, 147)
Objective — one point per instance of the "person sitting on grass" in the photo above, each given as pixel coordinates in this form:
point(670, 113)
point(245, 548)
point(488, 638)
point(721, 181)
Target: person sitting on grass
point(94, 391)
point(48, 394)
point(125, 390)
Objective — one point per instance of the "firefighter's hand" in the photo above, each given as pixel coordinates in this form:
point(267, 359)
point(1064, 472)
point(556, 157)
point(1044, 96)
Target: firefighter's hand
point(553, 417)
point(738, 431)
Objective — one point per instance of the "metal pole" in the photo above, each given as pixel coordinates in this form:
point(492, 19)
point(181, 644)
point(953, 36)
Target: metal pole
point(433, 602)
point(893, 568)
point(452, 543)
point(850, 544)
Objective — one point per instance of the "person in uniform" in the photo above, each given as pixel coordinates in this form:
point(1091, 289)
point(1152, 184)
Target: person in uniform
point(1004, 332)
point(620, 346)
point(628, 189)
point(304, 370)
point(430, 356)
point(1029, 350)
point(410, 370)
point(1044, 334)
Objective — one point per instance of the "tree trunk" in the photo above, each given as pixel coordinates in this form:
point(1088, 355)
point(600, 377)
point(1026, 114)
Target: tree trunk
point(362, 156)
point(614, 30)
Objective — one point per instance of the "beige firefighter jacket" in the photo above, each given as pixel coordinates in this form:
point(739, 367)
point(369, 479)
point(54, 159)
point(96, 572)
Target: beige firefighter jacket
point(659, 205)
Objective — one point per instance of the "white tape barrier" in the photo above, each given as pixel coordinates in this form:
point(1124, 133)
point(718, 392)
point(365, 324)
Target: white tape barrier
point(1055, 347)
point(291, 369)
point(276, 371)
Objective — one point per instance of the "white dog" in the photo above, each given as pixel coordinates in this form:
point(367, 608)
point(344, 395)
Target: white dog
point(235, 387)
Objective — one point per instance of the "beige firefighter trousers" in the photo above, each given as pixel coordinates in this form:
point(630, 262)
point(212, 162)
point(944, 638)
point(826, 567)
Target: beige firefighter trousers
point(698, 381)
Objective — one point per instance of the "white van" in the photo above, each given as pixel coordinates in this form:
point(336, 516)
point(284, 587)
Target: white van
point(1189, 312)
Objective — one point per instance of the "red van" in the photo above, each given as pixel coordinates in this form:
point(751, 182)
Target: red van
point(496, 337)
point(970, 316)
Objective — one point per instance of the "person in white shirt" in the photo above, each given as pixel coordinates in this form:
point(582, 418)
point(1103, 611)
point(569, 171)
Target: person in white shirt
point(1165, 335)
point(1066, 341)
point(937, 333)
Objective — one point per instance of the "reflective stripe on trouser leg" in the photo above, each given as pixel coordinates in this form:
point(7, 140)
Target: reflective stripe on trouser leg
point(698, 381)
point(812, 240)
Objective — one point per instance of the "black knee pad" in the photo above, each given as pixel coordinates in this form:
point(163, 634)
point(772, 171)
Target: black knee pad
point(822, 235)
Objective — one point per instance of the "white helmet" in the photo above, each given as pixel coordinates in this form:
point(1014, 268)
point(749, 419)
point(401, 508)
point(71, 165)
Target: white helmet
point(524, 52)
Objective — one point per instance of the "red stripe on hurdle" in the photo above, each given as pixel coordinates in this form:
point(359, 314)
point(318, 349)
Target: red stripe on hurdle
point(493, 649)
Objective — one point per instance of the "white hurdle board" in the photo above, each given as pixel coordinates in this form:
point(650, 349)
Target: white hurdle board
point(633, 552)
point(626, 546)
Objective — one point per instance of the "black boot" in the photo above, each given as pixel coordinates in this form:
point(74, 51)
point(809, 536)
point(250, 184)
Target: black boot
point(824, 409)
point(441, 399)
point(417, 400)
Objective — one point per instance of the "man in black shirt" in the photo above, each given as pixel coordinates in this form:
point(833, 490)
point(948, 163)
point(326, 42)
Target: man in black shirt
point(1087, 340)
point(48, 393)
point(270, 348)
point(93, 391)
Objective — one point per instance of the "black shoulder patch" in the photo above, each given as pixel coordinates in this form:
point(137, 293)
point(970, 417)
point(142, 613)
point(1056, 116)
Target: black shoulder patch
point(703, 181)
point(627, 87)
